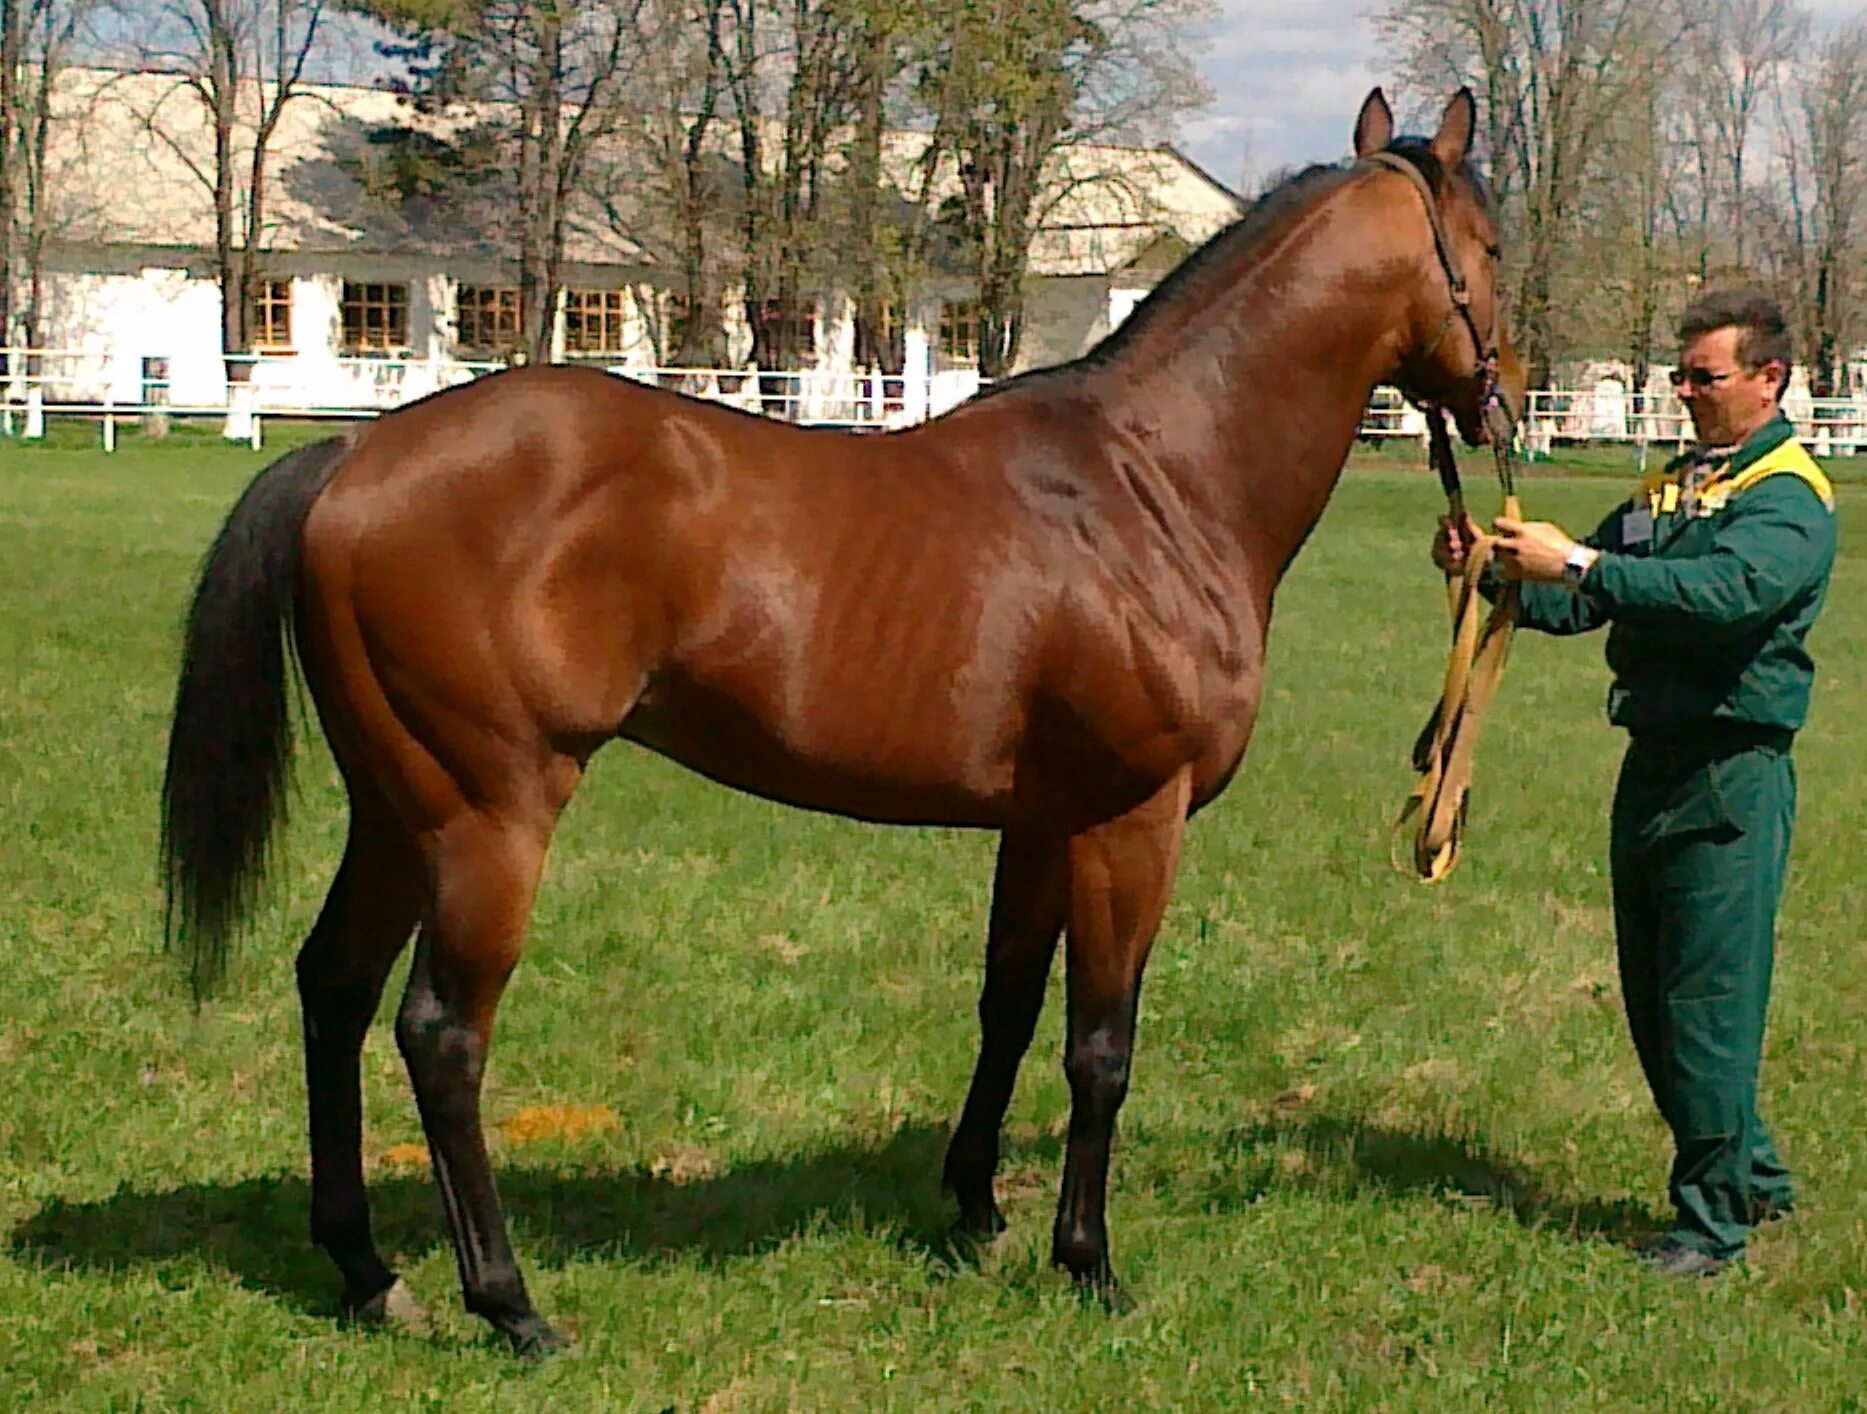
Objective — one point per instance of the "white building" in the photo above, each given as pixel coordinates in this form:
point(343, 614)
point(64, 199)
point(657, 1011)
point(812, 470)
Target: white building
point(359, 307)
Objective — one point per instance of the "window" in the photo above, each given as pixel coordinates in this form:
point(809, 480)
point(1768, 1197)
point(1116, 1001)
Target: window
point(271, 320)
point(959, 330)
point(486, 319)
point(375, 317)
point(593, 321)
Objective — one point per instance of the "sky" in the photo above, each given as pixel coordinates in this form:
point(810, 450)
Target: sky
point(1288, 77)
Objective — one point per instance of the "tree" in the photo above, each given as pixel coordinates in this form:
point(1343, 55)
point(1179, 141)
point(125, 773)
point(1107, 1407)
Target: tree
point(549, 75)
point(244, 62)
point(36, 40)
point(12, 51)
point(1553, 73)
point(1736, 48)
point(1007, 85)
point(880, 61)
point(680, 140)
point(793, 78)
point(1645, 172)
point(1825, 163)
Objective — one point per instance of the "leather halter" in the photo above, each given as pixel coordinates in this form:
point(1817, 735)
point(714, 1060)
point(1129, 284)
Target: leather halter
point(1443, 751)
point(1498, 421)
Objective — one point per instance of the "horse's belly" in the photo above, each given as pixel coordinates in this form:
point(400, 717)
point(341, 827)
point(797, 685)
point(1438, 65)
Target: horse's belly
point(840, 761)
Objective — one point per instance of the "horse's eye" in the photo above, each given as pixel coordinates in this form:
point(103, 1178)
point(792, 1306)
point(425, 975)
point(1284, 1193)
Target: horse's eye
point(1494, 252)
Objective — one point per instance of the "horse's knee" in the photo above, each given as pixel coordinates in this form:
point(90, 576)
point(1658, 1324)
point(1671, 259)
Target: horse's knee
point(437, 1045)
point(1097, 1068)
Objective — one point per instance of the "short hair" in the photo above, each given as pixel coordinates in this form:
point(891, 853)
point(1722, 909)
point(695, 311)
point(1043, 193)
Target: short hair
point(1762, 331)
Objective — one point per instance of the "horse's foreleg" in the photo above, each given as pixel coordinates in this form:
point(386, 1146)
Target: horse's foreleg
point(367, 918)
point(1030, 891)
point(1121, 874)
point(485, 876)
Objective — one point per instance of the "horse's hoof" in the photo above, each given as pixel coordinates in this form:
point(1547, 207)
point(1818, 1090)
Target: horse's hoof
point(1113, 1297)
point(978, 1224)
point(532, 1339)
point(1096, 1285)
point(1107, 1293)
point(395, 1305)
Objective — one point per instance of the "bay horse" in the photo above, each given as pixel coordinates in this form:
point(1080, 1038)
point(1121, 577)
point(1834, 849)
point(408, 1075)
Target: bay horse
point(1043, 613)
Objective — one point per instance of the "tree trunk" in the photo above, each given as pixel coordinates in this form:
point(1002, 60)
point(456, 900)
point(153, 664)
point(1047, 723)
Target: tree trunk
point(12, 43)
point(223, 95)
point(540, 168)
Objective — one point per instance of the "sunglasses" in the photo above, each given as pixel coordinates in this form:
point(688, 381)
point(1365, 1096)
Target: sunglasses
point(1699, 378)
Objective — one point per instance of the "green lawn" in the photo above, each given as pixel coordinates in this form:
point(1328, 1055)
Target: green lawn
point(1385, 1144)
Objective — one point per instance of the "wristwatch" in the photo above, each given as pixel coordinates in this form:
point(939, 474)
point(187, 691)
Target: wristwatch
point(1577, 563)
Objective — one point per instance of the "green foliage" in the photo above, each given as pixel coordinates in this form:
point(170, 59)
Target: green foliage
point(1383, 1148)
point(399, 164)
point(419, 15)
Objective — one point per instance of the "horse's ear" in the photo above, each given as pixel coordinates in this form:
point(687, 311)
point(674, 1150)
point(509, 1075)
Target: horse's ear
point(1374, 128)
point(1454, 138)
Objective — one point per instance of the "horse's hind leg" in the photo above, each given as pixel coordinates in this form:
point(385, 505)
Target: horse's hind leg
point(485, 875)
point(1030, 892)
point(367, 918)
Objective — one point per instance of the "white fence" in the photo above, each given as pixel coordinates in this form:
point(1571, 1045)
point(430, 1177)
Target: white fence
point(1554, 417)
point(41, 383)
point(36, 384)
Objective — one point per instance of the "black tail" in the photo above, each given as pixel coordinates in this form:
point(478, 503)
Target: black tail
point(230, 745)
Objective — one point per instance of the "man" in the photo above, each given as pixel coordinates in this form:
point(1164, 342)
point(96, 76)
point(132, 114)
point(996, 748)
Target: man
point(1709, 579)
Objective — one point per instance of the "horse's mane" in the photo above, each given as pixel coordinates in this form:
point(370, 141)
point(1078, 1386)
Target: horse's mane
point(1264, 216)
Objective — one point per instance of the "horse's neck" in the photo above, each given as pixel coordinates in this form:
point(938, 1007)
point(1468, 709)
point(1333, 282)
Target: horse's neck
point(1250, 395)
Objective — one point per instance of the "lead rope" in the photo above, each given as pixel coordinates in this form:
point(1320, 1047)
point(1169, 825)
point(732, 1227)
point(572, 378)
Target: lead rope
point(1443, 751)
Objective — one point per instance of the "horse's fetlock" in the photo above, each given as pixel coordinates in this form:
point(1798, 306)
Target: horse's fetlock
point(500, 1299)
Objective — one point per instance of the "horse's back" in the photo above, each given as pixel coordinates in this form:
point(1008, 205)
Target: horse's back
point(563, 556)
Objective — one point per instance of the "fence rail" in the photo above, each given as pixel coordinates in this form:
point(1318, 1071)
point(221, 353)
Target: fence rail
point(37, 384)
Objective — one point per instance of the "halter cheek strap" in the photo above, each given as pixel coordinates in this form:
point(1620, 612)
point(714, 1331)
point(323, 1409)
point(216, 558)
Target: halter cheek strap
point(1435, 810)
point(1498, 422)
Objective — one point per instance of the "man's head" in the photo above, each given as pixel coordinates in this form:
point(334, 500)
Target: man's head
point(1734, 355)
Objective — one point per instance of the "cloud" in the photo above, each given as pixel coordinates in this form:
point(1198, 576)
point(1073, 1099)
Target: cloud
point(1287, 79)
point(1289, 75)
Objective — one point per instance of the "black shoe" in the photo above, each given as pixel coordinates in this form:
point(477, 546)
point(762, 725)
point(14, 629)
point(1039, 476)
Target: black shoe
point(1771, 1210)
point(1673, 1258)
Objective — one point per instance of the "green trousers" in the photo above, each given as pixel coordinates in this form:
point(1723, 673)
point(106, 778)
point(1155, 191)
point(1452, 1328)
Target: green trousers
point(1700, 839)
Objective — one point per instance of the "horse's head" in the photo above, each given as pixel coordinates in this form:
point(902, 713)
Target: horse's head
point(1457, 352)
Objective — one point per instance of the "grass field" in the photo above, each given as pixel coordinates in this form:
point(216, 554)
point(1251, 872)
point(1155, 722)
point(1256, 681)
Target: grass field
point(1385, 1146)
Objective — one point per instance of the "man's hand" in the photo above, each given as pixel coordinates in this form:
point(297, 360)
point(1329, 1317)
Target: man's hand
point(1453, 542)
point(1532, 550)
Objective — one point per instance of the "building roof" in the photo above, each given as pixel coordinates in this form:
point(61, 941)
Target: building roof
point(133, 159)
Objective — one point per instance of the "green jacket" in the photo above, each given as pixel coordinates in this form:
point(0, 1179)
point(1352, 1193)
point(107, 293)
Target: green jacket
point(1710, 603)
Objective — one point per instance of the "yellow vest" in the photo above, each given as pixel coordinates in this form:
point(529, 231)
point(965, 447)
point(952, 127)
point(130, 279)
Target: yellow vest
point(1660, 490)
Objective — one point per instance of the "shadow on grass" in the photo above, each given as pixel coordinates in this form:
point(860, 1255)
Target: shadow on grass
point(256, 1229)
point(1351, 1156)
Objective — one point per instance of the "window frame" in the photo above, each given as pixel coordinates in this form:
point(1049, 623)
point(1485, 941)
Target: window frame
point(961, 331)
point(611, 316)
point(502, 316)
point(269, 315)
point(389, 299)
